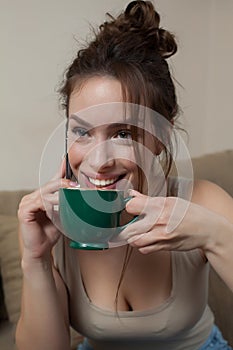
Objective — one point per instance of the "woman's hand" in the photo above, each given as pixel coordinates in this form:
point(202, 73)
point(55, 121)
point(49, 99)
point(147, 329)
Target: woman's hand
point(38, 234)
point(169, 223)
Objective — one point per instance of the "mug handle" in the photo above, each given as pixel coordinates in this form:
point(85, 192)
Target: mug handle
point(121, 228)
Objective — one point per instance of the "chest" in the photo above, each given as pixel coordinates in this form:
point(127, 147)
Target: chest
point(138, 283)
point(152, 294)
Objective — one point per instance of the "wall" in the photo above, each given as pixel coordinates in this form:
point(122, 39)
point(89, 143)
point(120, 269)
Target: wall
point(219, 121)
point(39, 39)
point(203, 66)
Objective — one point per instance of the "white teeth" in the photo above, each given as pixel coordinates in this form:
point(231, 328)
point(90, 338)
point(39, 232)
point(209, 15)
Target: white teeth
point(102, 183)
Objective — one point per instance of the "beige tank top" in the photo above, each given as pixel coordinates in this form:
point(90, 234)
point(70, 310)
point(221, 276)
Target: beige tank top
point(182, 322)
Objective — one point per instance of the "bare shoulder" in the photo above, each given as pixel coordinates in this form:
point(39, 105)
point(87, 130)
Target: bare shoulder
point(213, 197)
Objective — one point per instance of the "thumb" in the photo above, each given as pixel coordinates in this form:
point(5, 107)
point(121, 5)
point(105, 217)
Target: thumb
point(61, 171)
point(137, 204)
point(134, 193)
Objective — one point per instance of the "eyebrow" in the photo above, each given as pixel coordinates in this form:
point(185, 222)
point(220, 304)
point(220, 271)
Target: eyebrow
point(84, 123)
point(81, 121)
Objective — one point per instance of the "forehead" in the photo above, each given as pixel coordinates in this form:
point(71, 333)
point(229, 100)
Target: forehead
point(98, 101)
point(95, 91)
point(104, 114)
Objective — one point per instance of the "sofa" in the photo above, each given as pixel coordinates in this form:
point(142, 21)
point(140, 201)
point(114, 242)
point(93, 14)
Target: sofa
point(216, 167)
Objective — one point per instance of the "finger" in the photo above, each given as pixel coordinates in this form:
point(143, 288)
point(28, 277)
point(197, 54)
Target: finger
point(49, 210)
point(58, 175)
point(159, 240)
point(151, 249)
point(137, 205)
point(141, 226)
point(160, 245)
point(49, 193)
point(135, 193)
point(28, 215)
point(142, 204)
point(61, 171)
point(157, 235)
point(54, 185)
point(129, 231)
point(52, 198)
point(63, 167)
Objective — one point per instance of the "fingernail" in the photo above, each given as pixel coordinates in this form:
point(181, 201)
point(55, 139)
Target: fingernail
point(73, 184)
point(130, 192)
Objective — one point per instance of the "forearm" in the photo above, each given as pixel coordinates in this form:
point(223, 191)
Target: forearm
point(219, 252)
point(42, 324)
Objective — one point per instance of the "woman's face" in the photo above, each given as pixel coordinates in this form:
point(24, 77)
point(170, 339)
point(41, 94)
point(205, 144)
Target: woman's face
point(100, 145)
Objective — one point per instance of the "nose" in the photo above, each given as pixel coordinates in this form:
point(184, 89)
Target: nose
point(101, 157)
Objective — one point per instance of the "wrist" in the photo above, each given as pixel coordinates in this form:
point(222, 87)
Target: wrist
point(31, 265)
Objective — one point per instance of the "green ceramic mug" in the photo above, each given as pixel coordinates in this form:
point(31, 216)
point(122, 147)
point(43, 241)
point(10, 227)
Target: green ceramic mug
point(91, 217)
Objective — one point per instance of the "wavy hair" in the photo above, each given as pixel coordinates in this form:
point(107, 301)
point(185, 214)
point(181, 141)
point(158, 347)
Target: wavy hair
point(133, 49)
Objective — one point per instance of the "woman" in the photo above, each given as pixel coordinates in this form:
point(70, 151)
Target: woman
point(152, 292)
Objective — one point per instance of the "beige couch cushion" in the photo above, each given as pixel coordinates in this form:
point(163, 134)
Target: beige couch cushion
point(216, 167)
point(12, 281)
point(9, 201)
point(221, 303)
point(10, 265)
point(7, 336)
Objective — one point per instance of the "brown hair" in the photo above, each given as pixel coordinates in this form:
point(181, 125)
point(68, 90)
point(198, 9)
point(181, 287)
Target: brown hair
point(132, 48)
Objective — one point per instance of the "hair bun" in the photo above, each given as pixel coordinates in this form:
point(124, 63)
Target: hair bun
point(142, 13)
point(166, 43)
point(143, 17)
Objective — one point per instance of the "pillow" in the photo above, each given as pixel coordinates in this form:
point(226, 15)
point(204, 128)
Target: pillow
point(11, 274)
point(10, 265)
point(3, 312)
point(216, 167)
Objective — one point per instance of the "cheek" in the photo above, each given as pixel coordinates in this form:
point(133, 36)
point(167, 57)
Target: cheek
point(76, 156)
point(130, 165)
point(123, 155)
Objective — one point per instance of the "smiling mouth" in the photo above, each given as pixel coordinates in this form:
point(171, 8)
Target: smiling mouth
point(104, 183)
